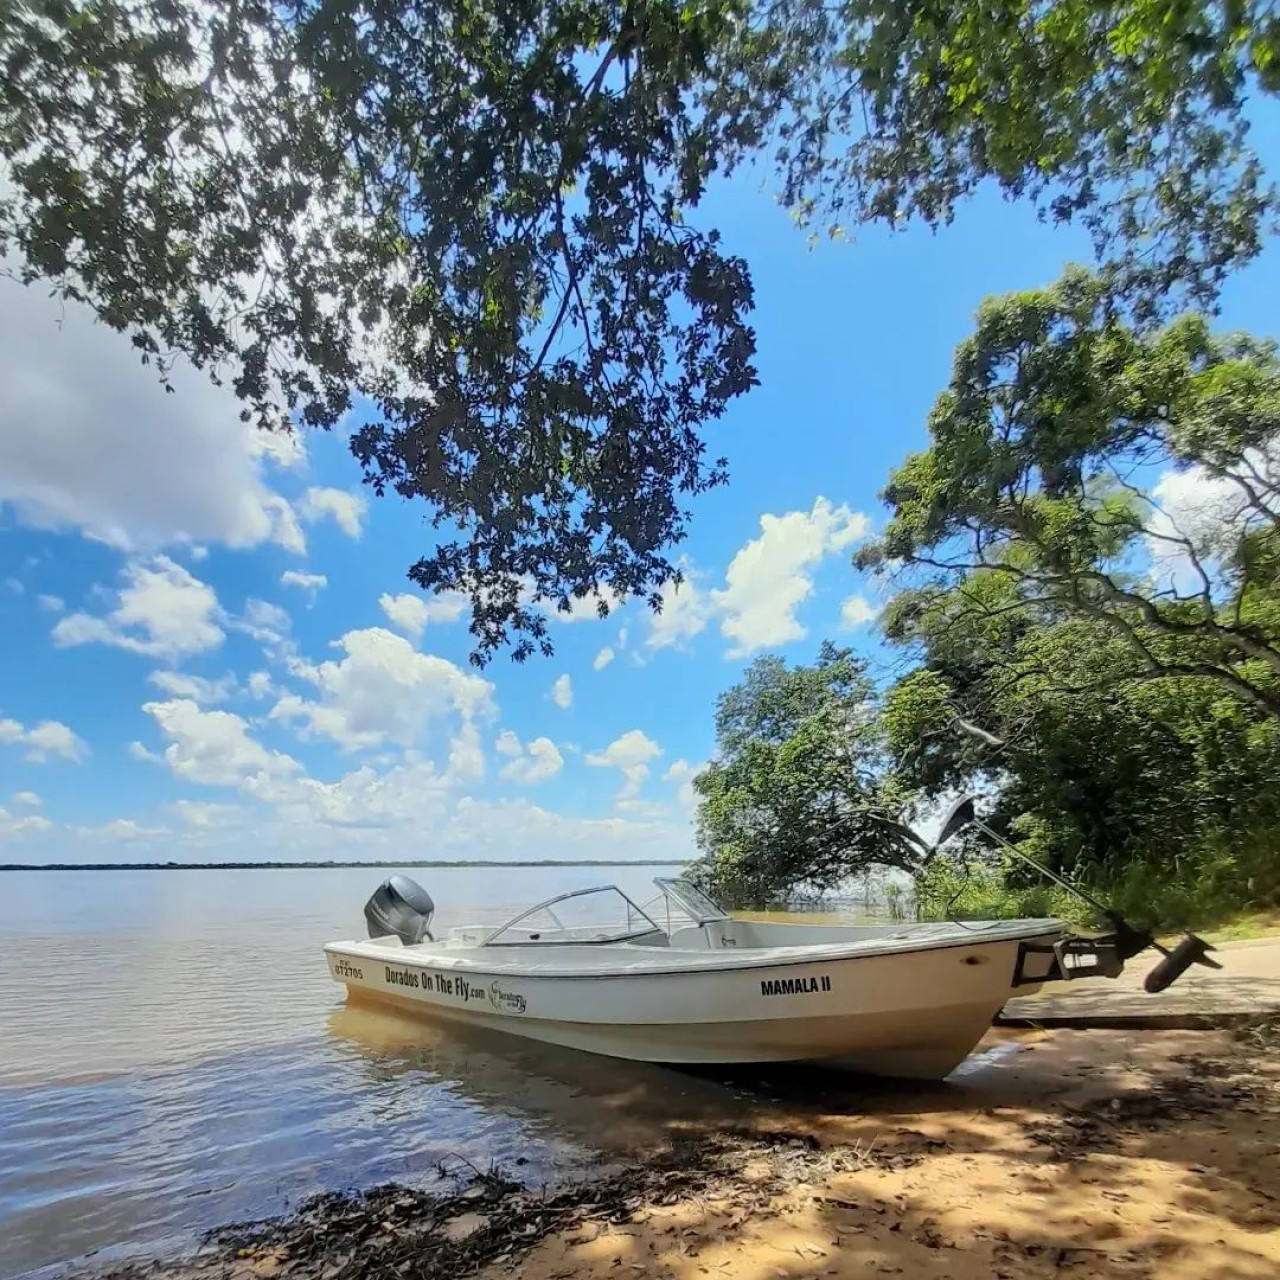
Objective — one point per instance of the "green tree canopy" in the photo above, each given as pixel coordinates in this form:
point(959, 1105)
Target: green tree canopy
point(1159, 790)
point(792, 797)
point(1045, 488)
point(475, 224)
point(1086, 557)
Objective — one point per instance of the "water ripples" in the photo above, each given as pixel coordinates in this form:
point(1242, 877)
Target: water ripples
point(173, 1056)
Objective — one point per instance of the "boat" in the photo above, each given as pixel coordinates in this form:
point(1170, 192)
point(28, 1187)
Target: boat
point(680, 981)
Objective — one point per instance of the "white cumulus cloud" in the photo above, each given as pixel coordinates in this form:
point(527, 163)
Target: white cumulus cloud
point(1211, 512)
point(11, 825)
point(410, 613)
point(162, 611)
point(771, 576)
point(765, 584)
point(539, 760)
point(48, 738)
point(857, 611)
point(602, 659)
point(408, 797)
point(260, 685)
point(214, 748)
point(686, 609)
point(205, 692)
point(630, 753)
point(346, 510)
point(466, 755)
point(207, 815)
point(268, 624)
point(382, 690)
point(310, 584)
point(681, 774)
point(562, 692)
point(264, 621)
point(115, 456)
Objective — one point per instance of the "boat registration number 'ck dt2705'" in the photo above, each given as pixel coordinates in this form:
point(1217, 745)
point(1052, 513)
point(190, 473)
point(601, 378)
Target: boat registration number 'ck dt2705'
point(794, 986)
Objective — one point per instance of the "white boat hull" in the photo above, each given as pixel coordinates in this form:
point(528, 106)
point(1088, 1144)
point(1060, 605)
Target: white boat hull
point(913, 1011)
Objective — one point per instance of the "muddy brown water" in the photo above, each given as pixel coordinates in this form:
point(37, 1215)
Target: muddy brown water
point(173, 1056)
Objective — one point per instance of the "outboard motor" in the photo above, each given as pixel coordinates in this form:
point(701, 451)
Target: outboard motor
point(400, 906)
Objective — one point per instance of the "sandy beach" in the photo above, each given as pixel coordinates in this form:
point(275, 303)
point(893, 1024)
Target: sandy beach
point(1082, 1153)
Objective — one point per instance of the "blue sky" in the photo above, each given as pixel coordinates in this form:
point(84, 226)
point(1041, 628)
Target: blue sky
point(210, 647)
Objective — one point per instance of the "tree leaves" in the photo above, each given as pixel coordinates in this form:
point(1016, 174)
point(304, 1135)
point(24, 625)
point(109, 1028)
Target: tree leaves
point(1058, 420)
point(1127, 117)
point(467, 233)
point(458, 230)
point(792, 797)
point(1096, 769)
point(1089, 554)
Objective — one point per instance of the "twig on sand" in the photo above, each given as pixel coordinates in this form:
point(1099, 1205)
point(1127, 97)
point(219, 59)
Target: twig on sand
point(443, 1169)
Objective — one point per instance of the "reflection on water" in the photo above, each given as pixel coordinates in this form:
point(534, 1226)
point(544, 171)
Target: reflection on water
point(606, 1104)
point(173, 1055)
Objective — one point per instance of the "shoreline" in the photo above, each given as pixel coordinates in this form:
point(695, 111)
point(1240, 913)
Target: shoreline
point(421, 865)
point(1092, 1154)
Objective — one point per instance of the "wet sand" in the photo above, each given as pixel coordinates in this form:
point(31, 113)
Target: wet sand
point(1080, 1153)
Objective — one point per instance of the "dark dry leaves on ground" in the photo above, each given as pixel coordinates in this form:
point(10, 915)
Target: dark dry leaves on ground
point(488, 1218)
point(1209, 1086)
point(394, 1232)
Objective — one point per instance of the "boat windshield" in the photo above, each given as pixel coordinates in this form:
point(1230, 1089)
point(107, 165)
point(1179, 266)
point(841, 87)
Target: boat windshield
point(584, 917)
point(683, 903)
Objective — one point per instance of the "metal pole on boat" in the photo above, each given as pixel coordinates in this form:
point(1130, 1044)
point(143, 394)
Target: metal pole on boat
point(964, 814)
point(1191, 950)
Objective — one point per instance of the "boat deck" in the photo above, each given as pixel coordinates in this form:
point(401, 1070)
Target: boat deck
point(702, 949)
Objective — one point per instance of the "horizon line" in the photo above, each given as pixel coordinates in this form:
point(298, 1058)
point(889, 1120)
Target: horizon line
point(312, 864)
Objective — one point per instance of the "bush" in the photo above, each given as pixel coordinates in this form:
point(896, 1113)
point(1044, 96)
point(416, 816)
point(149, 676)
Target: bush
point(1201, 889)
point(950, 888)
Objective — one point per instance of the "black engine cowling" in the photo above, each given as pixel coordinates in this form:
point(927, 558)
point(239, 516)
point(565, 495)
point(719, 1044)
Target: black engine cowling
point(402, 907)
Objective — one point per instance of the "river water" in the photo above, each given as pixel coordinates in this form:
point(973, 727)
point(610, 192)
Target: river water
point(173, 1056)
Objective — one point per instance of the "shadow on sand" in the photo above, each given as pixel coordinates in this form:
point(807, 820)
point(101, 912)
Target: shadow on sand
point(1087, 1154)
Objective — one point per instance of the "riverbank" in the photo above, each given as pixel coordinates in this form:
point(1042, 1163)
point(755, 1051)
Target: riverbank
point(1088, 1154)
